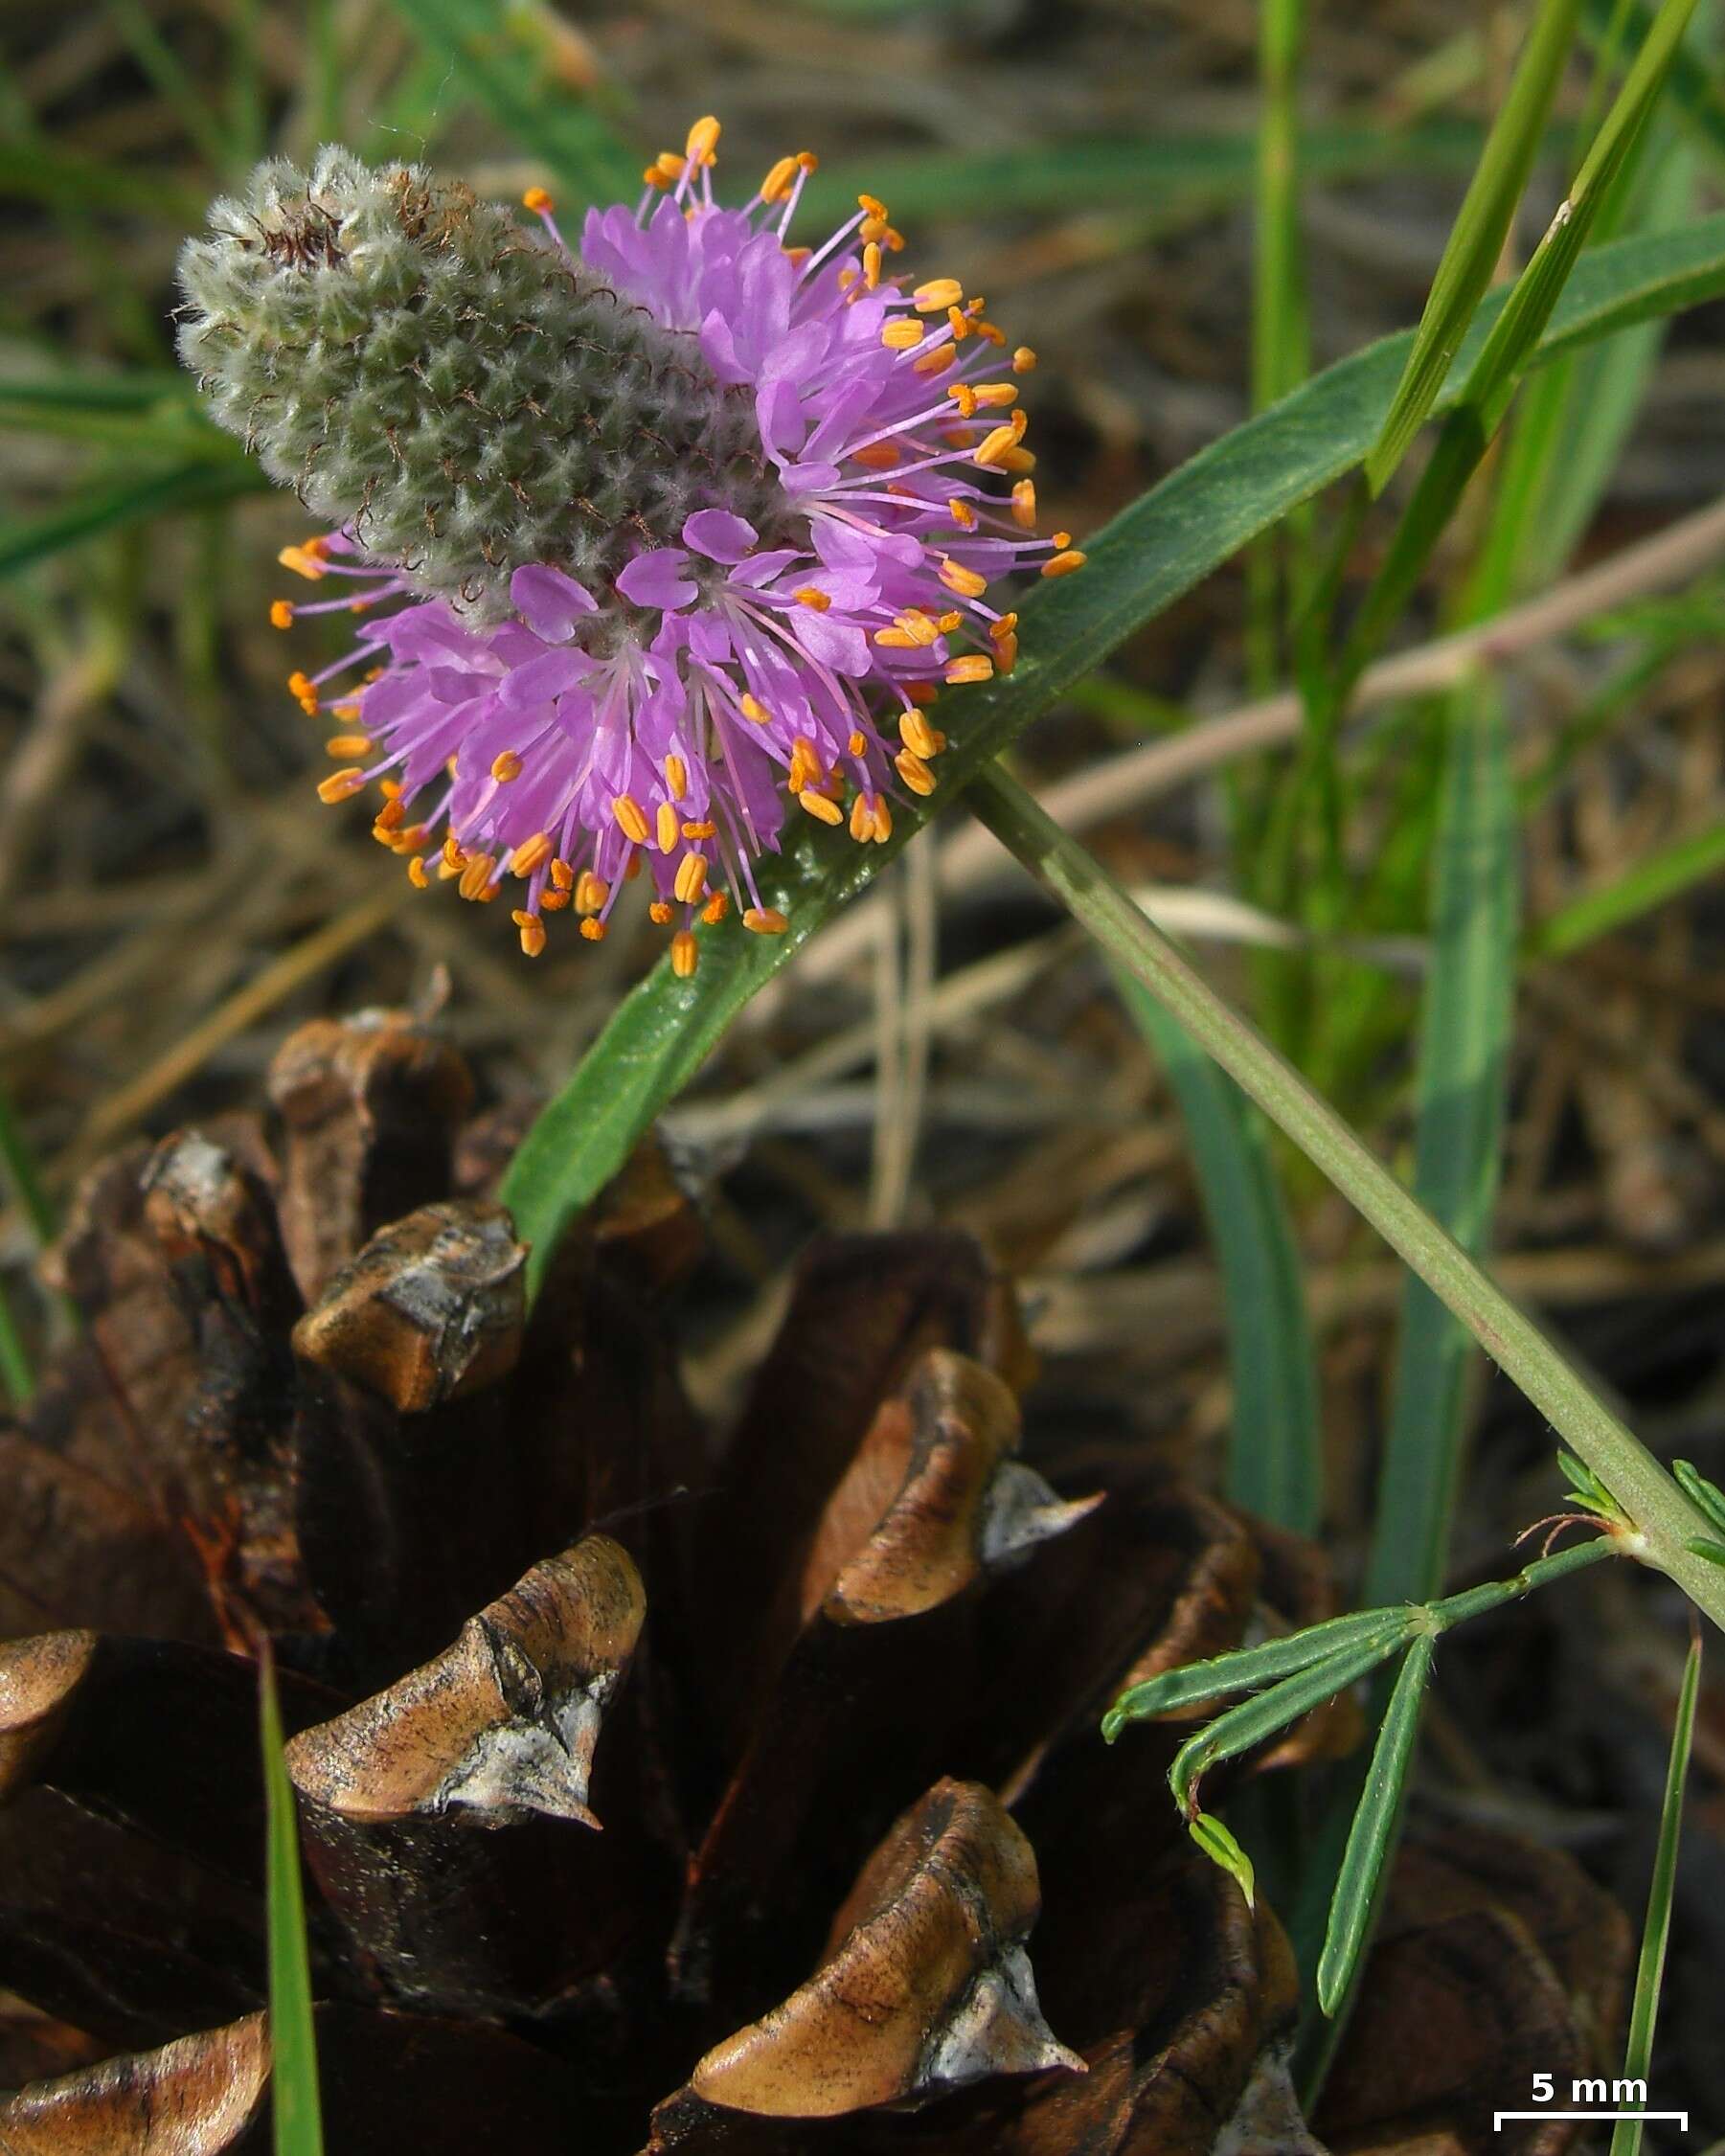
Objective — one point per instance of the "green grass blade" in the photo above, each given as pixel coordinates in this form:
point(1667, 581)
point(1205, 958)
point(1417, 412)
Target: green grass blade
point(506, 59)
point(1656, 1931)
point(1250, 1668)
point(1654, 881)
point(1255, 1720)
point(1275, 1454)
point(1513, 338)
point(293, 2040)
point(1667, 1520)
point(1476, 240)
point(1169, 168)
point(1151, 553)
point(17, 1375)
point(27, 540)
point(1697, 94)
point(1463, 1083)
point(1354, 1905)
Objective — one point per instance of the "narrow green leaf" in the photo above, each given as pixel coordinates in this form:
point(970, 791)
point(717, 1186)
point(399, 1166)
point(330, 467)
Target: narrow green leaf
point(17, 1375)
point(1515, 335)
point(507, 57)
point(1696, 93)
point(135, 391)
point(1708, 1496)
point(1251, 1669)
point(1656, 1931)
point(25, 540)
point(1221, 1849)
point(1255, 1720)
point(1465, 1037)
point(1353, 1907)
point(1168, 168)
point(1654, 881)
point(1154, 550)
point(1275, 1454)
point(1477, 237)
point(293, 2039)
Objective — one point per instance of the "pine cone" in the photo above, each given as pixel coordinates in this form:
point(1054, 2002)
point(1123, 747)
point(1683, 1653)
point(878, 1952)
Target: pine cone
point(831, 1691)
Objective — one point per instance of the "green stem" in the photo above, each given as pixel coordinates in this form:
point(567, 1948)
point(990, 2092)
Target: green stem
point(1664, 1518)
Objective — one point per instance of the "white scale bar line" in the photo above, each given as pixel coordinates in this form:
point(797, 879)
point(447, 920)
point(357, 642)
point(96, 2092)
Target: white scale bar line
point(1498, 2117)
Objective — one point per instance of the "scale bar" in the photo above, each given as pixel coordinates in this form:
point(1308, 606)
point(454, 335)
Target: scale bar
point(1498, 2117)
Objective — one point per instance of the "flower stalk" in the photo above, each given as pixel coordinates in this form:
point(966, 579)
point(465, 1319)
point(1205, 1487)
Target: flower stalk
point(1665, 1522)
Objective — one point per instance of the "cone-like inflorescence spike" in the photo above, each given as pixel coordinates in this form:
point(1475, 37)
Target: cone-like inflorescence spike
point(451, 386)
point(652, 539)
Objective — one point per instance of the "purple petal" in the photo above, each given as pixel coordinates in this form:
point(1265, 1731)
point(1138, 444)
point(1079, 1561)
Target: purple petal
point(553, 673)
point(719, 535)
point(549, 603)
point(658, 579)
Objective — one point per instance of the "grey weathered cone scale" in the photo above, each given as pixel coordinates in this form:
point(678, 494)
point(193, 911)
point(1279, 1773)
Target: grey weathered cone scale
point(416, 364)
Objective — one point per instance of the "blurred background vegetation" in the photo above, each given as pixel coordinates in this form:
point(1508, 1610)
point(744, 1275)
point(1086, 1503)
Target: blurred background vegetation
point(1186, 205)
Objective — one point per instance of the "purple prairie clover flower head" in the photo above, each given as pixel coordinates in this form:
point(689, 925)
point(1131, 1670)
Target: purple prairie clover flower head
point(649, 543)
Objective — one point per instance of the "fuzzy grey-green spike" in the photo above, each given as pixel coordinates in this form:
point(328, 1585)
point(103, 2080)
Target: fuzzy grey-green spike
point(450, 385)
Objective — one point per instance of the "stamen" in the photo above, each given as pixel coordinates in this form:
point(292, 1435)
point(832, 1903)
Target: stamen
point(630, 820)
point(915, 773)
point(872, 263)
point(776, 184)
point(303, 562)
point(1023, 360)
point(765, 921)
point(993, 447)
point(538, 201)
point(591, 893)
point(937, 295)
point(703, 141)
point(530, 854)
point(476, 876)
point(810, 596)
point(676, 776)
point(819, 806)
point(341, 786)
point(716, 908)
point(505, 767)
point(919, 735)
point(972, 667)
point(562, 875)
point(882, 456)
point(690, 880)
point(1065, 562)
point(753, 711)
point(934, 362)
point(665, 828)
point(532, 933)
point(968, 583)
point(281, 614)
point(345, 747)
point(415, 874)
point(900, 333)
point(594, 931)
point(701, 830)
point(685, 956)
point(1023, 505)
